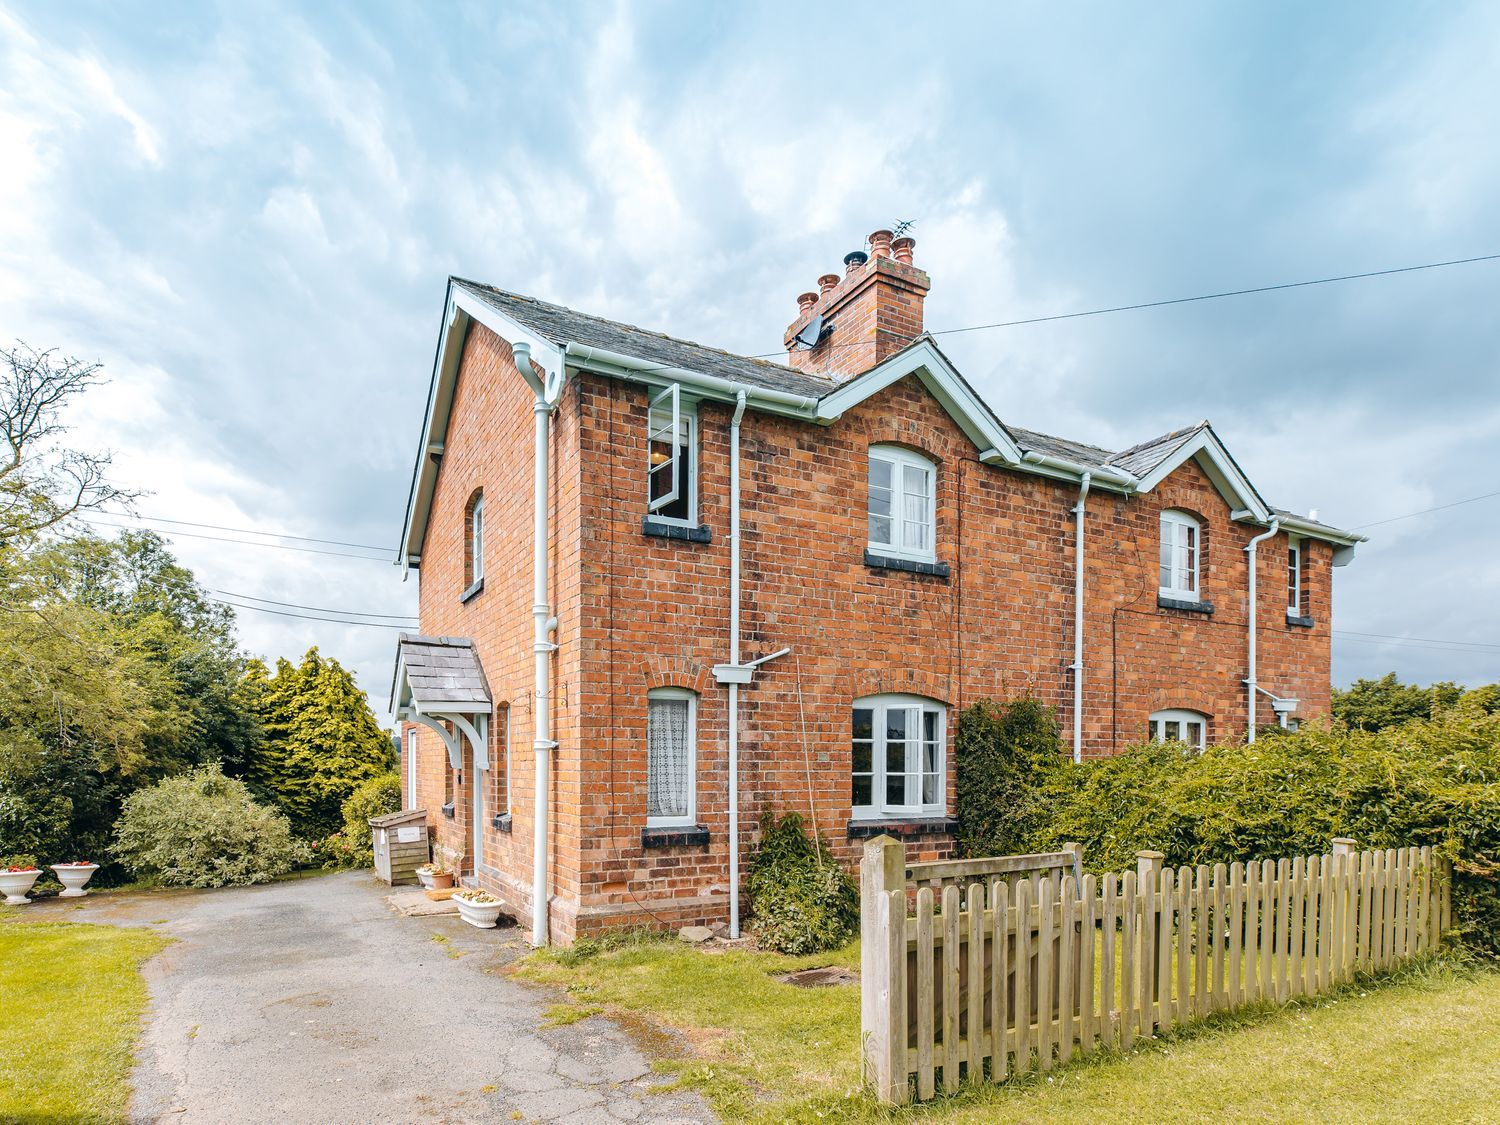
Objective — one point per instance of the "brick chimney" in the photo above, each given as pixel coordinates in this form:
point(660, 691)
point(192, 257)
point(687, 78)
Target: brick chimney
point(872, 311)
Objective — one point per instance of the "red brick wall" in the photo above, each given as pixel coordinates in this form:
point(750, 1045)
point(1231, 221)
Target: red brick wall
point(874, 311)
point(637, 612)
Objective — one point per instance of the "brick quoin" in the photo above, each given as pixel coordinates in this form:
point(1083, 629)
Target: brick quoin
point(637, 612)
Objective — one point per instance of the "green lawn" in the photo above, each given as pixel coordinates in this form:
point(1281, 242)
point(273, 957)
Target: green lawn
point(1424, 1046)
point(71, 998)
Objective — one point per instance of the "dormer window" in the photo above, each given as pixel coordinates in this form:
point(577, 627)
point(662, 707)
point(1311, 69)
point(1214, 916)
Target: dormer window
point(672, 459)
point(1180, 540)
point(902, 507)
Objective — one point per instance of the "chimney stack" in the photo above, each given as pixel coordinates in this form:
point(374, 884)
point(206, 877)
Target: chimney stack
point(870, 313)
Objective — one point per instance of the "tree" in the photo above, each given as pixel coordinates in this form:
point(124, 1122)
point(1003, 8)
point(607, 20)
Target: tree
point(1387, 702)
point(42, 482)
point(321, 740)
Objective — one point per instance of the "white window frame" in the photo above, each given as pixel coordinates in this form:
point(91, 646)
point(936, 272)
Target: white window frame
point(673, 419)
point(1294, 566)
point(690, 818)
point(411, 767)
point(1174, 525)
point(476, 541)
point(1180, 716)
point(899, 546)
point(880, 808)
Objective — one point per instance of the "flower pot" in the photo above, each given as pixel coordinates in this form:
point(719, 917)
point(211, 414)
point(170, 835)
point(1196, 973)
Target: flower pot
point(424, 876)
point(442, 880)
point(485, 915)
point(73, 876)
point(15, 884)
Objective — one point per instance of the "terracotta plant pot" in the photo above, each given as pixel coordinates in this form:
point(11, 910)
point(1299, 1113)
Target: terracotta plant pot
point(15, 884)
point(73, 876)
point(442, 880)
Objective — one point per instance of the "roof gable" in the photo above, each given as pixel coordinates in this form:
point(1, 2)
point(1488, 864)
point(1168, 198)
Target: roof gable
point(1159, 458)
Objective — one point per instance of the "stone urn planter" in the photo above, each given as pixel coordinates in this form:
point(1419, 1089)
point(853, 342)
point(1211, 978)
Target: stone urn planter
point(478, 908)
point(73, 876)
point(424, 876)
point(15, 882)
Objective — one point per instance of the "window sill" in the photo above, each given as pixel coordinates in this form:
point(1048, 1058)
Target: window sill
point(916, 826)
point(685, 836)
point(448, 810)
point(912, 566)
point(473, 591)
point(661, 530)
point(1300, 622)
point(501, 823)
point(1164, 602)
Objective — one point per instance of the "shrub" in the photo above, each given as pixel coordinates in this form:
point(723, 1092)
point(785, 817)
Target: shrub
point(1004, 756)
point(1426, 782)
point(803, 900)
point(202, 829)
point(352, 845)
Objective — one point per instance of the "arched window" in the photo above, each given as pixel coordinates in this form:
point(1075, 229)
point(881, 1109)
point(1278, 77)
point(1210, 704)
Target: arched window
point(898, 765)
point(902, 503)
point(1181, 537)
point(671, 758)
point(474, 541)
point(1187, 727)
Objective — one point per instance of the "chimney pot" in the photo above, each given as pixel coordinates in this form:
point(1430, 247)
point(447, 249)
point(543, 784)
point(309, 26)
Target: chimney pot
point(902, 248)
point(828, 281)
point(805, 301)
point(853, 260)
point(880, 243)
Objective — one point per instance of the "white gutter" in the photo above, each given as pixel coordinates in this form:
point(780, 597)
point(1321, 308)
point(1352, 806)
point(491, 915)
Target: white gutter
point(740, 400)
point(779, 402)
point(1078, 514)
point(1119, 478)
point(1250, 684)
point(543, 623)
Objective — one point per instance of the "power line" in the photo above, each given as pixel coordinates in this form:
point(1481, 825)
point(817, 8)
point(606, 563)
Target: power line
point(1435, 640)
point(309, 617)
point(1426, 511)
point(94, 520)
point(247, 531)
point(319, 608)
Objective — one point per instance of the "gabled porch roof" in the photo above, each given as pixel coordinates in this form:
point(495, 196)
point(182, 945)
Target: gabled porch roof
point(440, 680)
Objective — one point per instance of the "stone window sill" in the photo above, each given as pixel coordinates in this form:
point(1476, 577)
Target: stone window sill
point(448, 810)
point(1300, 622)
point(473, 591)
point(674, 837)
point(1183, 606)
point(911, 566)
point(661, 530)
point(917, 826)
point(501, 823)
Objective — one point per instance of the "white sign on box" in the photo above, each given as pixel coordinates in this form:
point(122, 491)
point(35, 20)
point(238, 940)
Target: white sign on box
point(408, 835)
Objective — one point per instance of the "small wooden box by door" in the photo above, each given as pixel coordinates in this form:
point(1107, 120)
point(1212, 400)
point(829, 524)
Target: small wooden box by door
point(400, 842)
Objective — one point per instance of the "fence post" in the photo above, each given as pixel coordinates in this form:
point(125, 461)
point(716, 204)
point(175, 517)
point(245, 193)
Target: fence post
point(1345, 904)
point(1148, 883)
point(881, 870)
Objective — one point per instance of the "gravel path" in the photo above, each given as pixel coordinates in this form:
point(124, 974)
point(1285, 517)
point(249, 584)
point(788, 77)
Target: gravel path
point(312, 1001)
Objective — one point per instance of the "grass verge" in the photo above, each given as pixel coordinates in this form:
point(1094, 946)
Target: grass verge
point(1422, 1045)
point(72, 998)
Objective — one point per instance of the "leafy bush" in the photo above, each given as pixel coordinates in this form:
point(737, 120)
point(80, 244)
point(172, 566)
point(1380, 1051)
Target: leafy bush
point(202, 829)
point(1004, 756)
point(1430, 781)
point(352, 845)
point(802, 899)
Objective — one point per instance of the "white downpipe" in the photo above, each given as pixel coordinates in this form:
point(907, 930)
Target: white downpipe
point(734, 659)
point(542, 624)
point(1078, 513)
point(1250, 684)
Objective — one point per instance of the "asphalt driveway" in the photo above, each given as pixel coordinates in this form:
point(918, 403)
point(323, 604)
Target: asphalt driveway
point(312, 1001)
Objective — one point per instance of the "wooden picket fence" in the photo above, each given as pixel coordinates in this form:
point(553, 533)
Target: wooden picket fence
point(976, 969)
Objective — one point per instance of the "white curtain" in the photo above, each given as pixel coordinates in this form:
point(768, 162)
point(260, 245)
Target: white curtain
point(669, 758)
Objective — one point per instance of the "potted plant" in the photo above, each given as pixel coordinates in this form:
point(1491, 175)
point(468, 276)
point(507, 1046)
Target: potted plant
point(424, 875)
point(16, 878)
point(73, 876)
point(441, 877)
point(478, 908)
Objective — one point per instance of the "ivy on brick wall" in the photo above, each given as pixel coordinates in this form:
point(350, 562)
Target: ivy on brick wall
point(1005, 755)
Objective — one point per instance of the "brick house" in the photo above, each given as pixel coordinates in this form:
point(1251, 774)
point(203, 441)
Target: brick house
point(665, 588)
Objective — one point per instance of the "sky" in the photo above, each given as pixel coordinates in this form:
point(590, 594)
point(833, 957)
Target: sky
point(248, 211)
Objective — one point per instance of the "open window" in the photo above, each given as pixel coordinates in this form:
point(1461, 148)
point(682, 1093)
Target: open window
point(1187, 727)
point(898, 757)
point(671, 758)
point(1181, 537)
point(902, 504)
point(672, 471)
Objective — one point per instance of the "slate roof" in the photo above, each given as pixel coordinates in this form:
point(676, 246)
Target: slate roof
point(1141, 459)
point(440, 670)
point(565, 326)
